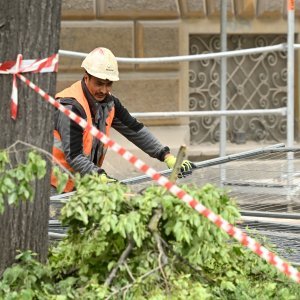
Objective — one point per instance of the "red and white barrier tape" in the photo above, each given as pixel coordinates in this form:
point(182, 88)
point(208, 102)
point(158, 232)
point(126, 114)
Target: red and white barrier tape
point(49, 64)
point(250, 243)
point(291, 5)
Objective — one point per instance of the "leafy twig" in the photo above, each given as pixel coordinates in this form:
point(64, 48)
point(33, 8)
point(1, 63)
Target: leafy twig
point(128, 286)
point(129, 272)
point(47, 154)
point(153, 227)
point(162, 258)
point(185, 261)
point(121, 261)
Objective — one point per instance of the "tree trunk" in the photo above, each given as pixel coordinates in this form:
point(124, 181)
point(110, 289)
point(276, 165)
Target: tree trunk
point(31, 28)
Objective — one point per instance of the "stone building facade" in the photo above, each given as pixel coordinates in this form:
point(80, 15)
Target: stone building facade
point(140, 28)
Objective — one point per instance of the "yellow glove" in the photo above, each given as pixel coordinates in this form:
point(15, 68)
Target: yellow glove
point(185, 168)
point(104, 178)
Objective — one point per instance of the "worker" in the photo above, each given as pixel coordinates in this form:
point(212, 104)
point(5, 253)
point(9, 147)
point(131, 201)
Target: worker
point(91, 98)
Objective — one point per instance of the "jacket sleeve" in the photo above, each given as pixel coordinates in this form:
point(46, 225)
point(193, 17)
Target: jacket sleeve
point(72, 140)
point(137, 133)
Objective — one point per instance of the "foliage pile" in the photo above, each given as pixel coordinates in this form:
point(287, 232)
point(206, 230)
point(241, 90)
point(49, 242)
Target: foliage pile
point(145, 246)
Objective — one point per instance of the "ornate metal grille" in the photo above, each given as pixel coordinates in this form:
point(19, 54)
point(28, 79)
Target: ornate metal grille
point(253, 82)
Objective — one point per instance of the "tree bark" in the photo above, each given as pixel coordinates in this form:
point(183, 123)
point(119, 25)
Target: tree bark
point(31, 28)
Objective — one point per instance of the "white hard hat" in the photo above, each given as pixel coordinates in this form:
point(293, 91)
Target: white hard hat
point(102, 64)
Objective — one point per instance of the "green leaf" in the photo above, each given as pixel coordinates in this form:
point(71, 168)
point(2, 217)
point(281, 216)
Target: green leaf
point(62, 179)
point(9, 183)
point(12, 198)
point(81, 215)
point(227, 285)
point(3, 160)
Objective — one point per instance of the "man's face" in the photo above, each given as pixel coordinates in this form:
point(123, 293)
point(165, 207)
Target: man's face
point(99, 88)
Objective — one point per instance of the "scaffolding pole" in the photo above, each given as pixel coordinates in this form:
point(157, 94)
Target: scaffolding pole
point(290, 70)
point(194, 57)
point(290, 94)
point(223, 84)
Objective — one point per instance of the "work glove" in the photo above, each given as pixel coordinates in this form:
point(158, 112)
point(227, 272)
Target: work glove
point(186, 166)
point(104, 178)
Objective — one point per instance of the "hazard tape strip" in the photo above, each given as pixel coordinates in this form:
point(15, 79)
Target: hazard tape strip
point(236, 233)
point(291, 5)
point(49, 64)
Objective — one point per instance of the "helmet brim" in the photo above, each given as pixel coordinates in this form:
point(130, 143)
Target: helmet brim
point(103, 76)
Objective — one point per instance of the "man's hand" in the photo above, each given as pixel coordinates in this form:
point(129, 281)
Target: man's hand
point(104, 178)
point(186, 166)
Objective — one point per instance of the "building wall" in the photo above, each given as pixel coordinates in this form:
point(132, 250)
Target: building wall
point(141, 28)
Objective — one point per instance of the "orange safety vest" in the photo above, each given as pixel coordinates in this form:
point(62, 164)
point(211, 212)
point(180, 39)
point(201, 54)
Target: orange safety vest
point(75, 91)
